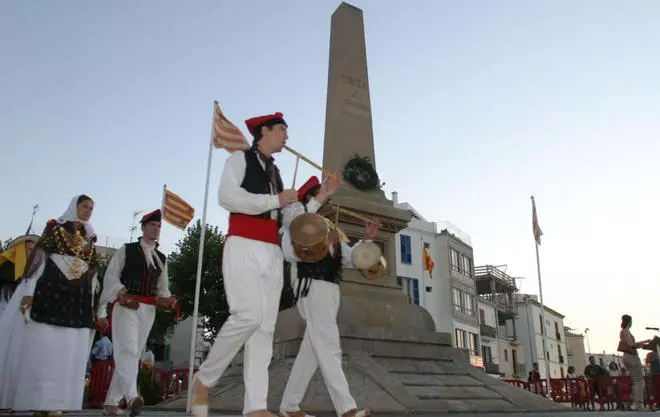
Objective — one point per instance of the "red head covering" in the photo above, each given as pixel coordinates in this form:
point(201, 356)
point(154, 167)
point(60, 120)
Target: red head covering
point(154, 216)
point(260, 120)
point(304, 189)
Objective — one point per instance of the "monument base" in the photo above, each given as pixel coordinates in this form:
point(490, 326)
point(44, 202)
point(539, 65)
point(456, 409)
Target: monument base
point(388, 370)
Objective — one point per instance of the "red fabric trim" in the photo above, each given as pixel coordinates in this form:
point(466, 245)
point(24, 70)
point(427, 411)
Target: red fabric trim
point(252, 227)
point(145, 300)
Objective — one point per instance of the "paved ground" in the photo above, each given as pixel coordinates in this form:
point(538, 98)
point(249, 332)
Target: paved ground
point(563, 414)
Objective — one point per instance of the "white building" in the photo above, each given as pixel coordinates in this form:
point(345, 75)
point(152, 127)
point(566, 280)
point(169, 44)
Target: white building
point(502, 349)
point(576, 352)
point(448, 293)
point(531, 329)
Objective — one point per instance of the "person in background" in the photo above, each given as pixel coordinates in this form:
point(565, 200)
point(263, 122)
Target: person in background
point(629, 346)
point(102, 349)
point(12, 264)
point(570, 372)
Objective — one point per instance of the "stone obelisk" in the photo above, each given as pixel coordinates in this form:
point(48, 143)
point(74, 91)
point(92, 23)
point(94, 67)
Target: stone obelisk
point(349, 133)
point(394, 360)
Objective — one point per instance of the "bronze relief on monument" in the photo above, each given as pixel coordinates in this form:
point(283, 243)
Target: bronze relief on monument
point(360, 173)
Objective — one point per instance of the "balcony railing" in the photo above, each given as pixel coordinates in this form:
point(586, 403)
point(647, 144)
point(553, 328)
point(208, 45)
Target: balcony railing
point(487, 331)
point(492, 368)
point(519, 369)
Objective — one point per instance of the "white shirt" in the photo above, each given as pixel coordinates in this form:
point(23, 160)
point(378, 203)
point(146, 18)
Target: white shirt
point(102, 349)
point(233, 198)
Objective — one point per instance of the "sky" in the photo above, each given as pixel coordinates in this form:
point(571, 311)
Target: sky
point(476, 105)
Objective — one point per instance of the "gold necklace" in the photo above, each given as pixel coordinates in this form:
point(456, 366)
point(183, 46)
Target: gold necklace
point(74, 243)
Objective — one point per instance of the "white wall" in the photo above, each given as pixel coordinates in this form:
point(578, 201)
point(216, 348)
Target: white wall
point(489, 313)
point(180, 343)
point(528, 327)
point(421, 232)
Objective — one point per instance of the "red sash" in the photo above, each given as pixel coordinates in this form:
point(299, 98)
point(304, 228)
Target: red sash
point(144, 299)
point(255, 228)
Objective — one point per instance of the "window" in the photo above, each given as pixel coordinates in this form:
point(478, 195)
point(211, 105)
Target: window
point(460, 338)
point(458, 302)
point(506, 355)
point(487, 354)
point(541, 323)
point(473, 340)
point(410, 287)
point(514, 358)
point(463, 302)
point(482, 317)
point(468, 304)
point(454, 259)
point(406, 250)
point(466, 266)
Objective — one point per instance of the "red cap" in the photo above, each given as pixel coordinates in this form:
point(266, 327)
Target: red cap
point(154, 216)
point(304, 189)
point(259, 120)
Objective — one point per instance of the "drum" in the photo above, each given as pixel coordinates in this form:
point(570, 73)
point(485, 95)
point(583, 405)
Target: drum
point(375, 271)
point(366, 254)
point(309, 235)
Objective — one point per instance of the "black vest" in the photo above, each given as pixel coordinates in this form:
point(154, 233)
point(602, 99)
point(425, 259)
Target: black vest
point(60, 302)
point(327, 269)
point(136, 275)
point(256, 180)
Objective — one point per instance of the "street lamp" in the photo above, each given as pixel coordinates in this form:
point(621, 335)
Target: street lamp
point(586, 335)
point(133, 225)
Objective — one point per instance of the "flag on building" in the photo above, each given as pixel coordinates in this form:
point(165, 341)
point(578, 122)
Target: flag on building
point(428, 262)
point(535, 224)
point(176, 211)
point(225, 134)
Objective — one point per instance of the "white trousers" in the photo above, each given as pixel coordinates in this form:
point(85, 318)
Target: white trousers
point(320, 347)
point(130, 330)
point(252, 273)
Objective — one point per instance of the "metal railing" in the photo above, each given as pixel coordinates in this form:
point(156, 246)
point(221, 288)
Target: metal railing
point(487, 331)
point(484, 271)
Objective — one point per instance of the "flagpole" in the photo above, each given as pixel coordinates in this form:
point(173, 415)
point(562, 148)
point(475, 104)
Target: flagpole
point(162, 203)
point(543, 327)
point(198, 279)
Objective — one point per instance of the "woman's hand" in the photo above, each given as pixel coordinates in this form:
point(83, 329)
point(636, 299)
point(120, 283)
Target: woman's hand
point(26, 302)
point(101, 325)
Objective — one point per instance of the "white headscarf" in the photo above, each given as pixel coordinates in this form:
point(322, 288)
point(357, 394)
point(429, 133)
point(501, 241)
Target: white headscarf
point(71, 215)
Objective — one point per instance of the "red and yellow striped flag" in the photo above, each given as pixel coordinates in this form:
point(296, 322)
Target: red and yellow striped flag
point(225, 134)
point(176, 211)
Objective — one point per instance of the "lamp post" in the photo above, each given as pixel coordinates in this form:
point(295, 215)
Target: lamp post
point(133, 225)
point(586, 335)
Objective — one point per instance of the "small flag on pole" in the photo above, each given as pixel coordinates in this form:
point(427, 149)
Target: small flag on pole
point(428, 262)
point(175, 210)
point(225, 134)
point(535, 224)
